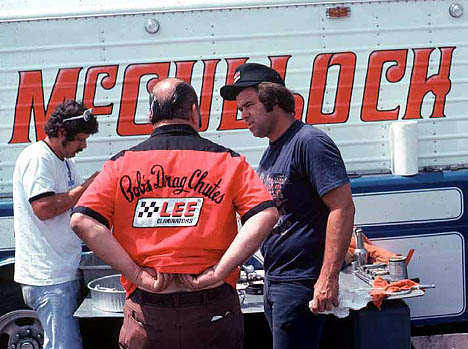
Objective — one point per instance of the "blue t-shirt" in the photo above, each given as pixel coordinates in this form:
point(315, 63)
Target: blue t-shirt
point(298, 169)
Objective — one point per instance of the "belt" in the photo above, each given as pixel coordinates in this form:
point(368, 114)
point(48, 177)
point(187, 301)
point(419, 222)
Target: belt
point(310, 283)
point(176, 299)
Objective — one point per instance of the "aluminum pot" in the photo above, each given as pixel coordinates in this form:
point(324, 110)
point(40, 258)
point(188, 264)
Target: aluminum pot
point(92, 267)
point(107, 293)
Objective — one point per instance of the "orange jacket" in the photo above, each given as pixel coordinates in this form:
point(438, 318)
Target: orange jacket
point(171, 201)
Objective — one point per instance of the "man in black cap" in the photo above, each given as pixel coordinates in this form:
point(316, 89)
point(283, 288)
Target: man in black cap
point(305, 173)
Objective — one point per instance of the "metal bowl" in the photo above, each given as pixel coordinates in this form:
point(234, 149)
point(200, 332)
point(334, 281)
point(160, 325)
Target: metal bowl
point(107, 293)
point(92, 267)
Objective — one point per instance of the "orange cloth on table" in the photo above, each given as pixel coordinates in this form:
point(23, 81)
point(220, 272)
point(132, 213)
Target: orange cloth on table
point(375, 254)
point(380, 288)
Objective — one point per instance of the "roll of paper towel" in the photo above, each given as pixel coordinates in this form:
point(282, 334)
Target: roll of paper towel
point(404, 148)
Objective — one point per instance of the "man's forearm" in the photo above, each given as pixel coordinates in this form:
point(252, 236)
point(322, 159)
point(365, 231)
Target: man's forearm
point(247, 241)
point(63, 202)
point(100, 240)
point(338, 236)
point(51, 206)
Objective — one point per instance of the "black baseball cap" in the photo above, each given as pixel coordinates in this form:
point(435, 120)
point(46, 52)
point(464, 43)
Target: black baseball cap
point(248, 75)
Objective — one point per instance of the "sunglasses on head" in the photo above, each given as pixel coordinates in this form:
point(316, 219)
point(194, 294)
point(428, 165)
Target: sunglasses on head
point(86, 116)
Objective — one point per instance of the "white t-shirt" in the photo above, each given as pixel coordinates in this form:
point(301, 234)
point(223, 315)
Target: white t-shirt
point(47, 252)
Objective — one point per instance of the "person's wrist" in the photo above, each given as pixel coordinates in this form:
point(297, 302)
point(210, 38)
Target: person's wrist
point(135, 273)
point(330, 274)
point(217, 272)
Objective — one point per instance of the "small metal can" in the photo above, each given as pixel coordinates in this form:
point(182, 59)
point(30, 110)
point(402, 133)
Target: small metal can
point(397, 268)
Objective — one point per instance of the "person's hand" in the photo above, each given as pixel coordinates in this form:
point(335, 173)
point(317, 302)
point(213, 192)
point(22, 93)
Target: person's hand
point(90, 180)
point(325, 294)
point(195, 282)
point(151, 280)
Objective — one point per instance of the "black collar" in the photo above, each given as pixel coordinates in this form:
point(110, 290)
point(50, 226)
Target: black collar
point(174, 129)
point(52, 150)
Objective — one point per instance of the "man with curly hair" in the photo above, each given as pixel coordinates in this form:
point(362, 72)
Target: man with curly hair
point(46, 186)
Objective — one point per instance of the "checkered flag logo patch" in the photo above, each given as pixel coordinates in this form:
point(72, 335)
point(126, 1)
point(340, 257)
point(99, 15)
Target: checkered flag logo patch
point(167, 212)
point(147, 210)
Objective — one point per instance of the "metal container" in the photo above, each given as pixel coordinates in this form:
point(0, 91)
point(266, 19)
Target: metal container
point(92, 267)
point(107, 293)
point(397, 268)
point(360, 252)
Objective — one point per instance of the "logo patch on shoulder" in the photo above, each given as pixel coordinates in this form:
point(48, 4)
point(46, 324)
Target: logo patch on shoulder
point(167, 212)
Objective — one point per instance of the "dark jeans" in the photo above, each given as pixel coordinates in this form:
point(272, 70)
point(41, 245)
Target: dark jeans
point(291, 322)
point(202, 319)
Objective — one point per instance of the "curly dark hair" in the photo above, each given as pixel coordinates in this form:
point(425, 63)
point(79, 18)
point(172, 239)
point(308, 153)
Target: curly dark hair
point(271, 94)
point(66, 110)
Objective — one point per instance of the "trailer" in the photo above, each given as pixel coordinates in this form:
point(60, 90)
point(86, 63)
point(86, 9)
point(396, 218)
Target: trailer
point(358, 69)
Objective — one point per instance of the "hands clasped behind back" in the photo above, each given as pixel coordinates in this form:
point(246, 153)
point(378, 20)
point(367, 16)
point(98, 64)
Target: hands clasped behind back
point(153, 281)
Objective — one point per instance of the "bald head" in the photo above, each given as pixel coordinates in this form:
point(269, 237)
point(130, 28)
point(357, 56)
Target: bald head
point(172, 99)
point(165, 88)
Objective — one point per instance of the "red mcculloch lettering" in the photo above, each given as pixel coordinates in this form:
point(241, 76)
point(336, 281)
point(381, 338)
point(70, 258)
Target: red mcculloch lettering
point(32, 107)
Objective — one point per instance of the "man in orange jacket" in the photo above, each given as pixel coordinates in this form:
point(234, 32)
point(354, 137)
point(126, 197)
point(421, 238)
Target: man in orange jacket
point(171, 202)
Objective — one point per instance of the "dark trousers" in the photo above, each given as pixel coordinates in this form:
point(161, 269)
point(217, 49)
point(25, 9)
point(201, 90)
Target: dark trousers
point(202, 319)
point(292, 323)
